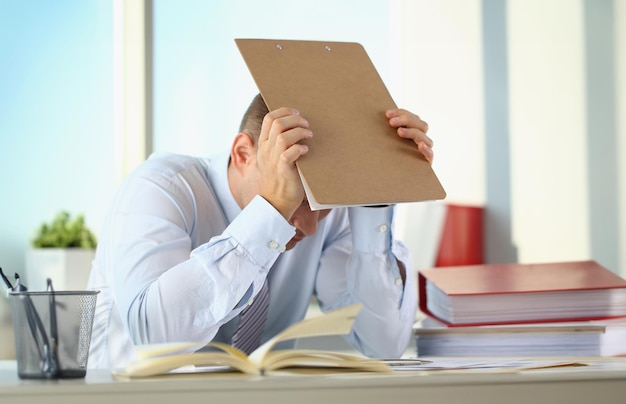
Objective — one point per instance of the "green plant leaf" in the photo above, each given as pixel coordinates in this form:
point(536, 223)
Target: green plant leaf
point(65, 232)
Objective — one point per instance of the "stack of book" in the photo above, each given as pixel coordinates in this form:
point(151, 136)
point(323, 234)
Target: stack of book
point(549, 309)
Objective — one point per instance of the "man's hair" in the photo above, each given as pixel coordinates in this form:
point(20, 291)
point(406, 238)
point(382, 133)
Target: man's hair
point(253, 118)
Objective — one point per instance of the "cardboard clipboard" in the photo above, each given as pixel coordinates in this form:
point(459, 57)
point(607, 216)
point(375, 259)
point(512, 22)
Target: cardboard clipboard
point(355, 157)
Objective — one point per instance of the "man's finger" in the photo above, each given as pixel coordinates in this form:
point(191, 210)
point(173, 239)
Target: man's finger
point(280, 120)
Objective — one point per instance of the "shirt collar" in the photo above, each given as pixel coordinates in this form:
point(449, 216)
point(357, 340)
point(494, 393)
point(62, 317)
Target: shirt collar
point(217, 169)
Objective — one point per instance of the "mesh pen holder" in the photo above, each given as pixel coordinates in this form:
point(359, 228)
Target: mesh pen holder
point(52, 332)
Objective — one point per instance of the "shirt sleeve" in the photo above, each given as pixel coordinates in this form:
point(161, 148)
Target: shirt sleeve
point(166, 288)
point(371, 258)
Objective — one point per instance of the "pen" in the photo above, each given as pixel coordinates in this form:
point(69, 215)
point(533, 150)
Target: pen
point(52, 359)
point(6, 280)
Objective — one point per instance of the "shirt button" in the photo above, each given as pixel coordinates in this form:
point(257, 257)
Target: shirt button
point(273, 245)
point(399, 281)
point(250, 301)
point(383, 228)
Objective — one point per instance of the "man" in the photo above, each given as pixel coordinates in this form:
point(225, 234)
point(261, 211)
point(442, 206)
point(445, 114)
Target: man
point(188, 243)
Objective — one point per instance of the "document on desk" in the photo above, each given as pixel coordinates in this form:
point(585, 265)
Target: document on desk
point(498, 365)
point(447, 365)
point(405, 365)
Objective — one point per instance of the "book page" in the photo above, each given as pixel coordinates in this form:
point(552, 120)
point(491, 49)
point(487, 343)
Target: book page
point(161, 365)
point(316, 358)
point(336, 322)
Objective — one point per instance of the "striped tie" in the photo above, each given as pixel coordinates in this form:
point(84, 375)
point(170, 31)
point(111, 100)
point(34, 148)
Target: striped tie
point(247, 337)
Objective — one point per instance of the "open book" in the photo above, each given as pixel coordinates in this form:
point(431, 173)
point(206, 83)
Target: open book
point(161, 360)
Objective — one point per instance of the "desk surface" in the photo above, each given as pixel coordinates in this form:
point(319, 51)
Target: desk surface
point(604, 383)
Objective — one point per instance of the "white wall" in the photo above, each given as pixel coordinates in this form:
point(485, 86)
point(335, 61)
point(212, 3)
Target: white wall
point(548, 130)
point(620, 52)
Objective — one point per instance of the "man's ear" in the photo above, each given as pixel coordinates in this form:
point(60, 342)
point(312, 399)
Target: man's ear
point(243, 152)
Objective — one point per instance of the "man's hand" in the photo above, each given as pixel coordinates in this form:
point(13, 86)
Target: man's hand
point(278, 150)
point(410, 126)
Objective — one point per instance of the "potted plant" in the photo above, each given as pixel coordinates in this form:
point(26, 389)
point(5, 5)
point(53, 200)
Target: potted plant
point(62, 250)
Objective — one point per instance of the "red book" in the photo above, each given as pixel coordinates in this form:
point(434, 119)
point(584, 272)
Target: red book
point(521, 293)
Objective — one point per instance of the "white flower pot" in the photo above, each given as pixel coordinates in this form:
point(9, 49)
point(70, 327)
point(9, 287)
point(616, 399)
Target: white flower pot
point(68, 268)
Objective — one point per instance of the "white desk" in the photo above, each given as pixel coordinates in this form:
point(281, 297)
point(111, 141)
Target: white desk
point(566, 385)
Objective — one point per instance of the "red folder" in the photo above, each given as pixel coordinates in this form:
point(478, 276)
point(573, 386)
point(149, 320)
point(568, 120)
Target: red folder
point(521, 293)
